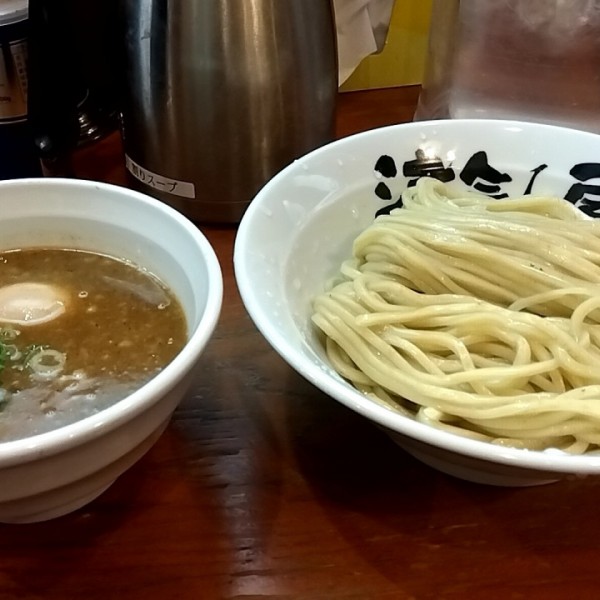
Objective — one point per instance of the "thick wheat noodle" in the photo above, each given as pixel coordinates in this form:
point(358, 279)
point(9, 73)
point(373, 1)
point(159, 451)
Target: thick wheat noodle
point(475, 315)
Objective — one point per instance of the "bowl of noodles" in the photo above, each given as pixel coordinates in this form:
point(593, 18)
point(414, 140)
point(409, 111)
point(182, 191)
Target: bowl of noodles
point(442, 279)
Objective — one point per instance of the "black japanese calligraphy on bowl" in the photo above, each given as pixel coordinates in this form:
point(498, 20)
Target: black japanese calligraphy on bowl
point(479, 175)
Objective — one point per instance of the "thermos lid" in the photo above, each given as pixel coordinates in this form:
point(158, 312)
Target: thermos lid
point(13, 11)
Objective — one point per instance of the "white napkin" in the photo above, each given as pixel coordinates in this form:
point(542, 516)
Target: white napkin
point(362, 27)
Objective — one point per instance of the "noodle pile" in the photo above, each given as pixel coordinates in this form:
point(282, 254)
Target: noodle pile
point(475, 315)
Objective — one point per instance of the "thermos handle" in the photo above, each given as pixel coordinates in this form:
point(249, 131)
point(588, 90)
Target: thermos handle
point(52, 85)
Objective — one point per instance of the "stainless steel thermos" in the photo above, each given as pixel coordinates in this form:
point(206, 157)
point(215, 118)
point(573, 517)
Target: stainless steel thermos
point(219, 95)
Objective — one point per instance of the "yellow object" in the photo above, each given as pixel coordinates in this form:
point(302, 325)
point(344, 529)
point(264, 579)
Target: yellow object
point(402, 60)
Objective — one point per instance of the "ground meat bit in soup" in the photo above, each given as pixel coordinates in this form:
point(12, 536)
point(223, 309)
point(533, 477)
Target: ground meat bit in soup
point(116, 328)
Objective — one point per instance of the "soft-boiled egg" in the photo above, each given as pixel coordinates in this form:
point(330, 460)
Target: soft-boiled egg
point(29, 304)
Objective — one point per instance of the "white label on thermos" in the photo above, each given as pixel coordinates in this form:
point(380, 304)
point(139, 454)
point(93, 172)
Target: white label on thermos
point(185, 189)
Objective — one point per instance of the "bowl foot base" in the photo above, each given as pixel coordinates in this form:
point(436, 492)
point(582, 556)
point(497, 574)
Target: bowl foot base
point(474, 469)
point(60, 501)
point(58, 511)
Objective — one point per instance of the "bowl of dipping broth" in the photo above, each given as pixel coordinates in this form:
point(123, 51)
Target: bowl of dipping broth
point(442, 279)
point(107, 300)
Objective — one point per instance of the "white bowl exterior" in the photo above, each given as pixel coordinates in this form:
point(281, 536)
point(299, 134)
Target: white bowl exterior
point(300, 227)
point(47, 475)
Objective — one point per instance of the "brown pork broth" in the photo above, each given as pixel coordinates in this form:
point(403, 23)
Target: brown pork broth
point(118, 328)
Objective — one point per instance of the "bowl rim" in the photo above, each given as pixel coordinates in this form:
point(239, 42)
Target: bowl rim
point(549, 461)
point(64, 438)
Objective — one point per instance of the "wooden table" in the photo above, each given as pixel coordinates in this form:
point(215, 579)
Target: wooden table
point(262, 486)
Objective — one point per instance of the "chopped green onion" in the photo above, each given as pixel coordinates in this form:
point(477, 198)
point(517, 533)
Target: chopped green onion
point(8, 333)
point(46, 362)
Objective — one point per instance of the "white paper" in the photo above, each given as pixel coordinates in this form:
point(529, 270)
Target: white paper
point(362, 27)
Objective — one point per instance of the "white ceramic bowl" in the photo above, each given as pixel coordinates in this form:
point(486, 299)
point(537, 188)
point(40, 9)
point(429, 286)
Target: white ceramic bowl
point(300, 227)
point(51, 474)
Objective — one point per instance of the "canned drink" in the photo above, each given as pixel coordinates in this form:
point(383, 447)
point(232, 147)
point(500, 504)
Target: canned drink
point(18, 157)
